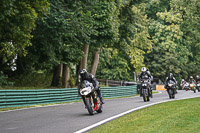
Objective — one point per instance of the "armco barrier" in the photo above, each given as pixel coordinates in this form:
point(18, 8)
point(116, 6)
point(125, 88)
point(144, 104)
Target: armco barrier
point(16, 98)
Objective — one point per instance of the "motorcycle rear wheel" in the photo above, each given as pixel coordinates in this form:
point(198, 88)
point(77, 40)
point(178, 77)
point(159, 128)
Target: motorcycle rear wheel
point(100, 109)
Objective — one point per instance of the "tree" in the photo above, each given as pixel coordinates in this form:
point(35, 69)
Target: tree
point(17, 23)
point(133, 31)
point(169, 53)
point(55, 40)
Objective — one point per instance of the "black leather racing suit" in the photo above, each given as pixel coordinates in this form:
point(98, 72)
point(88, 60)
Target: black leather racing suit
point(168, 79)
point(92, 80)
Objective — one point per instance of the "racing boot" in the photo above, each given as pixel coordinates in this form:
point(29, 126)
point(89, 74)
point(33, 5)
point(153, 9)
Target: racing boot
point(101, 99)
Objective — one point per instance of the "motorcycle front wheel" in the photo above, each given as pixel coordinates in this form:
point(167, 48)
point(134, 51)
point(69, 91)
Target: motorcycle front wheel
point(145, 95)
point(194, 90)
point(89, 106)
point(173, 94)
point(170, 93)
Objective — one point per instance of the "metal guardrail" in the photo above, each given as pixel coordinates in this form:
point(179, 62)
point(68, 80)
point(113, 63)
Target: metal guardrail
point(16, 98)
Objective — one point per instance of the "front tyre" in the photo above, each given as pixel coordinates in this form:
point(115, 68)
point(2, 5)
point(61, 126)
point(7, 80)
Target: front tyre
point(194, 90)
point(89, 106)
point(170, 93)
point(144, 95)
point(173, 94)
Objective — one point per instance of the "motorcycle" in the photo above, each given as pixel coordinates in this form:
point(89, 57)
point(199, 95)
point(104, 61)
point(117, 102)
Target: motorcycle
point(186, 86)
point(193, 87)
point(90, 98)
point(171, 89)
point(146, 91)
point(198, 86)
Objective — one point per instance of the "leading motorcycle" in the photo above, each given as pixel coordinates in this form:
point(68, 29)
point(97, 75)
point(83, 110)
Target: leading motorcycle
point(90, 98)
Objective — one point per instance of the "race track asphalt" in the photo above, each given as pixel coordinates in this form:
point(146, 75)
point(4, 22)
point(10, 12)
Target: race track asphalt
point(72, 117)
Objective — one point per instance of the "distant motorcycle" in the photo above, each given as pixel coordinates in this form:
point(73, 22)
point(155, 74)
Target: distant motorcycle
point(198, 86)
point(146, 91)
point(186, 86)
point(90, 97)
point(193, 87)
point(171, 89)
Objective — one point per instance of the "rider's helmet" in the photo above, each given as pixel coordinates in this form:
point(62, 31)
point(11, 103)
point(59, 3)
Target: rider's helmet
point(182, 80)
point(197, 77)
point(84, 74)
point(191, 77)
point(144, 69)
point(170, 76)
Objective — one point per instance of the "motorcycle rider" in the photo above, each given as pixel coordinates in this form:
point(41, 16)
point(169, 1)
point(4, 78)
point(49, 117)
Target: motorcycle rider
point(191, 80)
point(84, 75)
point(170, 77)
point(182, 83)
point(145, 74)
point(197, 78)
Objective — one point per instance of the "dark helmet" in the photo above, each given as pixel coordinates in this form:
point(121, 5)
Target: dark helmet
point(171, 75)
point(84, 74)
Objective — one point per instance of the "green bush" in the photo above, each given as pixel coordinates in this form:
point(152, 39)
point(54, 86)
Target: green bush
point(4, 80)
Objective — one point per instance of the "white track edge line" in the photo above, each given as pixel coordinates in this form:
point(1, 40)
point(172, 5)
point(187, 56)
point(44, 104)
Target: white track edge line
point(124, 113)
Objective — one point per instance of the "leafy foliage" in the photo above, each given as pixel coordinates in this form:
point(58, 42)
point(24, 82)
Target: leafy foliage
point(17, 22)
point(113, 65)
point(134, 37)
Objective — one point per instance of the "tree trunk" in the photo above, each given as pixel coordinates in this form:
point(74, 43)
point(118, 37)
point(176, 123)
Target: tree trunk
point(66, 76)
point(1, 63)
point(83, 63)
point(95, 63)
point(56, 76)
point(60, 70)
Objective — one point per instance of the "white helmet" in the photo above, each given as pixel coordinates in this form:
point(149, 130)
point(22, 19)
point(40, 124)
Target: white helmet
point(144, 69)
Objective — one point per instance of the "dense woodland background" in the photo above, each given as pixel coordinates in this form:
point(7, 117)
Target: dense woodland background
point(45, 43)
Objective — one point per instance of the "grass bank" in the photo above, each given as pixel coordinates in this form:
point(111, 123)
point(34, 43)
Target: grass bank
point(177, 116)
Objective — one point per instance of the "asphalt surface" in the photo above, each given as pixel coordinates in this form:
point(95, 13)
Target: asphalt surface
point(72, 117)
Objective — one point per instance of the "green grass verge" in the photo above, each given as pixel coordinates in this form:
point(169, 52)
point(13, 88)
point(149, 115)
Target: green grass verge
point(181, 116)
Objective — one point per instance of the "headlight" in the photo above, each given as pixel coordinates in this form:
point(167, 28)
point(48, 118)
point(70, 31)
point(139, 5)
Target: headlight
point(144, 84)
point(170, 85)
point(85, 91)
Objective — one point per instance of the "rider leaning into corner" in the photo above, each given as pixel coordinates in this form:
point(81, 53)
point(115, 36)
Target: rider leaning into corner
point(197, 78)
point(84, 75)
point(183, 82)
point(145, 74)
point(170, 77)
point(191, 80)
